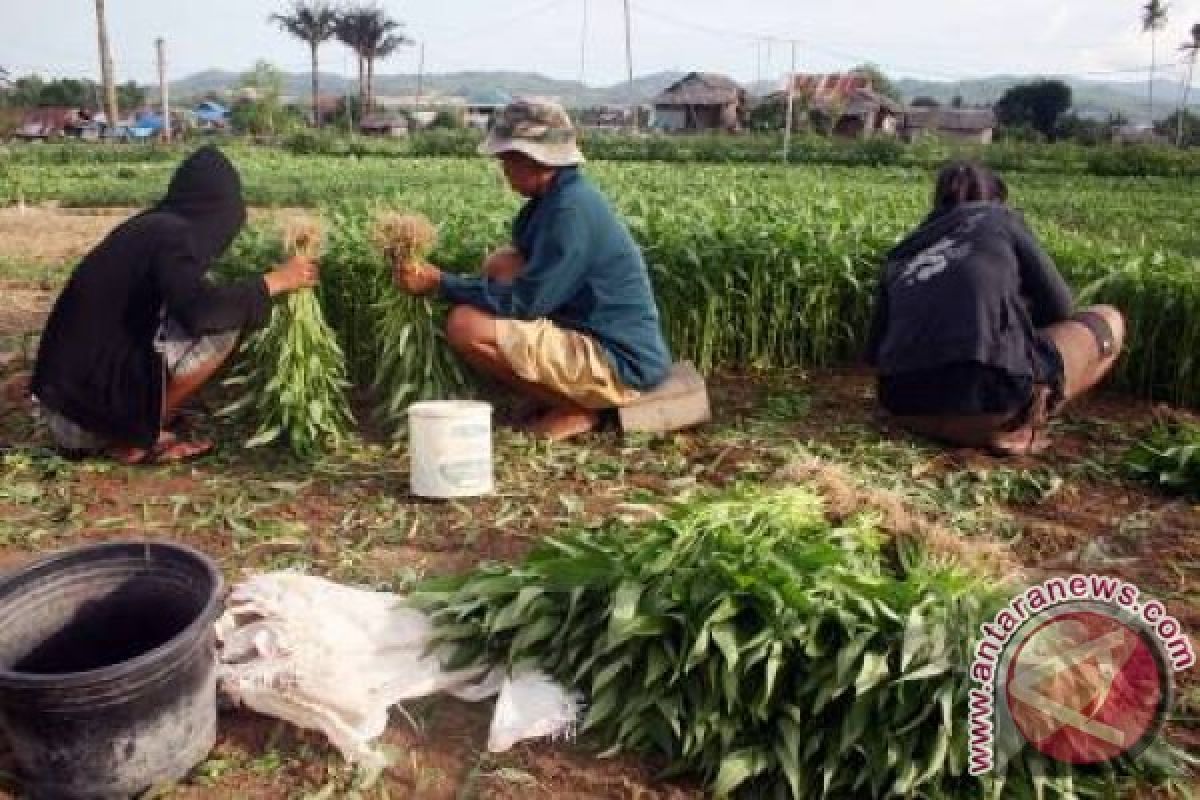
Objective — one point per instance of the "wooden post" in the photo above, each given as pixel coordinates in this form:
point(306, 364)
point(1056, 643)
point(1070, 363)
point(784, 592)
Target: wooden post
point(420, 75)
point(106, 68)
point(164, 89)
point(791, 103)
point(633, 104)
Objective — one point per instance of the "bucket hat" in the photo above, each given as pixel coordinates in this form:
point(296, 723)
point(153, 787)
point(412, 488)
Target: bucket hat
point(538, 128)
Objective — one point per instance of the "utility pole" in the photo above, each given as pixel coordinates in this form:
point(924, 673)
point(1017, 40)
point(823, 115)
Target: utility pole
point(420, 74)
point(583, 43)
point(106, 68)
point(164, 89)
point(791, 102)
point(633, 104)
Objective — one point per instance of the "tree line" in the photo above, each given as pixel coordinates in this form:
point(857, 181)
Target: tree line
point(33, 91)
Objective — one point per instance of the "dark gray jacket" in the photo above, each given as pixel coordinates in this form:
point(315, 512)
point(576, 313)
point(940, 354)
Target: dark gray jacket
point(968, 286)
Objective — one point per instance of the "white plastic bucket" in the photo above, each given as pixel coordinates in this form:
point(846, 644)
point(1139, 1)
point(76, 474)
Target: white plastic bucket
point(450, 448)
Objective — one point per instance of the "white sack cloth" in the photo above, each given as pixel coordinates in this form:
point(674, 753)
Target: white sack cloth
point(335, 659)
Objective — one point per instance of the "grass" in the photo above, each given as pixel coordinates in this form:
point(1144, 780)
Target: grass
point(347, 515)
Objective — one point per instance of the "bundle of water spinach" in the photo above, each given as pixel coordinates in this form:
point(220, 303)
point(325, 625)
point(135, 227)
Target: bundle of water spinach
point(291, 375)
point(746, 639)
point(415, 362)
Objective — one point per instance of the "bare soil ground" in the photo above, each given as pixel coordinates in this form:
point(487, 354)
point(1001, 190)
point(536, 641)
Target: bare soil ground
point(351, 518)
point(51, 236)
point(47, 235)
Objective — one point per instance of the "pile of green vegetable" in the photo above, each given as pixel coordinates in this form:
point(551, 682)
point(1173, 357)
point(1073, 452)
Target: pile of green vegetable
point(291, 375)
point(355, 329)
point(747, 640)
point(1169, 457)
point(414, 360)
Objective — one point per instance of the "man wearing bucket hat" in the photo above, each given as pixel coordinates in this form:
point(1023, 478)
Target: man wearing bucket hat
point(566, 313)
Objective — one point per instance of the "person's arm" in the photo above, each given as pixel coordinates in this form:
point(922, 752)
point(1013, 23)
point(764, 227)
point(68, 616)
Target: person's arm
point(1048, 295)
point(203, 307)
point(550, 277)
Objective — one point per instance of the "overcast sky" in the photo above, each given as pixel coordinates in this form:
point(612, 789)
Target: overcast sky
point(939, 39)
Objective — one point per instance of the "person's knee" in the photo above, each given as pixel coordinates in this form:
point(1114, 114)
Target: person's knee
point(467, 329)
point(459, 326)
point(503, 265)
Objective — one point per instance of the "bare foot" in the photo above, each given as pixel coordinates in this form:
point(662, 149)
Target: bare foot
point(182, 451)
point(1025, 441)
point(167, 450)
point(560, 424)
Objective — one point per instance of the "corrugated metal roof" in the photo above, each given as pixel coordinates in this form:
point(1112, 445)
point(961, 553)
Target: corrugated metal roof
point(950, 119)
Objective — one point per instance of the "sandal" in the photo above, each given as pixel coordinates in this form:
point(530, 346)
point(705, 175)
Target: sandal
point(169, 449)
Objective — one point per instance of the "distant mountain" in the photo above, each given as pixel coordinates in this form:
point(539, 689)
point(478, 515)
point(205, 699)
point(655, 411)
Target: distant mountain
point(1099, 98)
point(1091, 97)
point(464, 84)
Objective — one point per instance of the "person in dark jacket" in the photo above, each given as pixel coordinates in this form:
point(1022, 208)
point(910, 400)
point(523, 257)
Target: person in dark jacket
point(974, 336)
point(565, 314)
point(139, 328)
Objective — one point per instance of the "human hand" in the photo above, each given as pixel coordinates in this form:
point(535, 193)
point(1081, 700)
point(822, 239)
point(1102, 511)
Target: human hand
point(298, 273)
point(416, 278)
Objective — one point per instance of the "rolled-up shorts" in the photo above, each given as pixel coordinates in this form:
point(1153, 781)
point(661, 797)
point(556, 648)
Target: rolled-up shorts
point(928, 402)
point(567, 362)
point(182, 355)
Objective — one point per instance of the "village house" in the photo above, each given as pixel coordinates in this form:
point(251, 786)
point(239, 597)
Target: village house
point(845, 104)
point(1137, 134)
point(701, 101)
point(963, 124)
point(481, 106)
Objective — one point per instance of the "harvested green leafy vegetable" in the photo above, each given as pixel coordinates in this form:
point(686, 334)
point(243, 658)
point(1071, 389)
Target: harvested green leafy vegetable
point(414, 362)
point(292, 374)
point(746, 639)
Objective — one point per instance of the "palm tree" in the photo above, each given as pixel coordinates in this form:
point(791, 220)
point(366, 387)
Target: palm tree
point(382, 37)
point(372, 35)
point(1154, 19)
point(314, 22)
point(381, 49)
point(351, 30)
point(106, 67)
point(1190, 51)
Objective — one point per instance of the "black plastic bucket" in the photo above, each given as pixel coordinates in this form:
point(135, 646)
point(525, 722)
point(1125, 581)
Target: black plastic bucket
point(107, 668)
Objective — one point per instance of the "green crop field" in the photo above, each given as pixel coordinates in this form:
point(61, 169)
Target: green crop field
point(768, 642)
point(754, 265)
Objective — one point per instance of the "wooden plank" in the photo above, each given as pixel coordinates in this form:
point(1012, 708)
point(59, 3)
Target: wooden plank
point(680, 402)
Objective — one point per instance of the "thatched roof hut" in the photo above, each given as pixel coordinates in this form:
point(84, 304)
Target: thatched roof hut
point(701, 101)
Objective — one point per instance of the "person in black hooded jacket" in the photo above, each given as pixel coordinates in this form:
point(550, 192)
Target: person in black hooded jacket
point(973, 335)
point(139, 328)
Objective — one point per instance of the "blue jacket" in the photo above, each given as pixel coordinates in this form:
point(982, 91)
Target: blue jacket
point(583, 271)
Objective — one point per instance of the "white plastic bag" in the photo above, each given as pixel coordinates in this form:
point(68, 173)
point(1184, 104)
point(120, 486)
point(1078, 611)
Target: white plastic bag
point(335, 659)
point(532, 705)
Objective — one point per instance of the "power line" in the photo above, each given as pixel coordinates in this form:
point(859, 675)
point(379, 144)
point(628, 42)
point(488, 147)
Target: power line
point(461, 34)
point(939, 71)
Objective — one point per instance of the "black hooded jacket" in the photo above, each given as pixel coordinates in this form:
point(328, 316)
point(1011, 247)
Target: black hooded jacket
point(97, 365)
point(970, 286)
